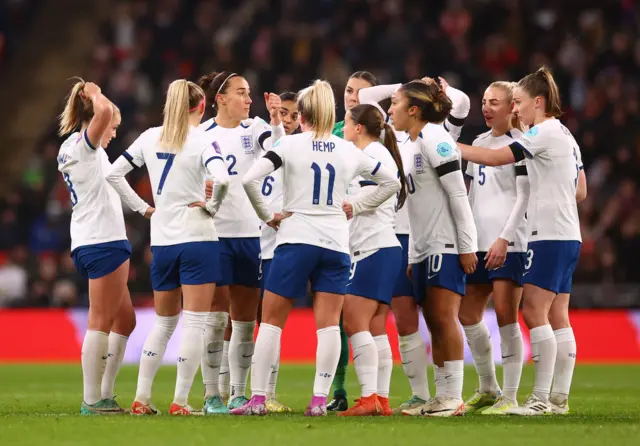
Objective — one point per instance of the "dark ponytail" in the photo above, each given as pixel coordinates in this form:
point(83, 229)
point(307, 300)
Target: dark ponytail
point(541, 83)
point(214, 84)
point(433, 104)
point(372, 120)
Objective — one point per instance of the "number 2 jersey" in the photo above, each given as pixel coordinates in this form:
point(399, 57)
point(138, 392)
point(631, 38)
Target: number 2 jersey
point(241, 147)
point(493, 195)
point(97, 211)
point(178, 180)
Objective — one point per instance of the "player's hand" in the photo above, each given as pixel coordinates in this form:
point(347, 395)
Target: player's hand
point(497, 254)
point(274, 103)
point(443, 84)
point(149, 212)
point(277, 218)
point(348, 209)
point(410, 272)
point(208, 189)
point(90, 91)
point(469, 262)
point(198, 204)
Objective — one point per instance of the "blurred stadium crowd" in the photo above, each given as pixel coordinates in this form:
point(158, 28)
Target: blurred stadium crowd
point(283, 45)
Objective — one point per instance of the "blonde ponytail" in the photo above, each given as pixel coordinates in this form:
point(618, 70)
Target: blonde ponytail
point(181, 97)
point(76, 110)
point(317, 106)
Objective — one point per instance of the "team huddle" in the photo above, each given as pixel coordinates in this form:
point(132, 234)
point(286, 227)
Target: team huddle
point(371, 214)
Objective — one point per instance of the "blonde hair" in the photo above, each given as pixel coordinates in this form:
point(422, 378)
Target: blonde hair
point(508, 88)
point(541, 83)
point(77, 109)
point(182, 97)
point(317, 106)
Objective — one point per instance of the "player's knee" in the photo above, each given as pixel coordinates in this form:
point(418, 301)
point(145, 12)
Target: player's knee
point(468, 316)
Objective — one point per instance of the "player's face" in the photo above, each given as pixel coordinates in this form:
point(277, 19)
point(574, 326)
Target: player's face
point(524, 106)
point(399, 111)
point(350, 128)
point(110, 133)
point(237, 100)
point(290, 116)
point(351, 92)
point(496, 107)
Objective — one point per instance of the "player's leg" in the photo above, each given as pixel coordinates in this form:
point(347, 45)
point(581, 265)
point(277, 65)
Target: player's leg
point(566, 357)
point(107, 269)
point(339, 402)
point(446, 286)
point(123, 325)
point(413, 352)
point(287, 280)
point(245, 295)
point(549, 268)
point(378, 329)
point(199, 272)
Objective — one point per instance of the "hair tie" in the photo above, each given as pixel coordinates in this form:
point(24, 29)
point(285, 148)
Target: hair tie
point(201, 103)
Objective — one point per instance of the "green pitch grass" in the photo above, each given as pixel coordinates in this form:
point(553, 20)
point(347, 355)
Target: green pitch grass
point(39, 405)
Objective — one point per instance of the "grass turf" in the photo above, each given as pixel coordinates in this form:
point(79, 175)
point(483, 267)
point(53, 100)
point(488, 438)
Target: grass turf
point(39, 404)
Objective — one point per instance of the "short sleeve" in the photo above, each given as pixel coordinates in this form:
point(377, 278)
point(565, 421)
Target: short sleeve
point(134, 153)
point(578, 156)
point(440, 150)
point(260, 131)
point(367, 165)
point(211, 152)
point(469, 170)
point(532, 143)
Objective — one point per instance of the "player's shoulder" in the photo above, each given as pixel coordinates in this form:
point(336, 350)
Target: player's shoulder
point(515, 134)
point(435, 138)
point(71, 141)
point(255, 122)
point(482, 137)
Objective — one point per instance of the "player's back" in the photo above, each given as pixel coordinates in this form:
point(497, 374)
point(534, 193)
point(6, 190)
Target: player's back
point(553, 170)
point(316, 174)
point(96, 209)
point(177, 179)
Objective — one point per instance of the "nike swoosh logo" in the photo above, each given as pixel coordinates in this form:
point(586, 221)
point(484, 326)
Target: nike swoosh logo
point(405, 363)
point(526, 273)
point(357, 356)
point(431, 277)
point(424, 412)
point(535, 358)
point(224, 373)
point(247, 356)
point(508, 356)
point(211, 352)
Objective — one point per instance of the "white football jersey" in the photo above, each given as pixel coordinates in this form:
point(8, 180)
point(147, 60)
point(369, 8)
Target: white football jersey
point(405, 144)
point(493, 195)
point(433, 228)
point(553, 164)
point(97, 211)
point(241, 147)
point(371, 231)
point(272, 193)
point(315, 177)
point(177, 180)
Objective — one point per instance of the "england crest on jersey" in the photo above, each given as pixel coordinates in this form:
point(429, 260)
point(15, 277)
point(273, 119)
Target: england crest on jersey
point(419, 165)
point(247, 143)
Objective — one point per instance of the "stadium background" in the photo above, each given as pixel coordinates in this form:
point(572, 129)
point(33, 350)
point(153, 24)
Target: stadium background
point(133, 49)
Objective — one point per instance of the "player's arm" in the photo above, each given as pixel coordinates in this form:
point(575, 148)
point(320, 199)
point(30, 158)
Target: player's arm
point(387, 184)
point(266, 135)
point(581, 190)
point(102, 114)
point(468, 176)
point(461, 104)
point(131, 159)
point(377, 93)
point(252, 183)
point(520, 208)
point(217, 170)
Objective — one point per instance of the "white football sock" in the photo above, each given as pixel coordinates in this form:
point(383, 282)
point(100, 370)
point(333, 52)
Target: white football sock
point(512, 348)
point(413, 354)
point(273, 379)
point(565, 364)
point(152, 354)
point(479, 341)
point(453, 377)
point(223, 380)
point(543, 351)
point(240, 354)
point(385, 365)
point(117, 346)
point(365, 358)
point(265, 358)
point(190, 353)
point(95, 350)
point(327, 356)
point(440, 382)
point(212, 356)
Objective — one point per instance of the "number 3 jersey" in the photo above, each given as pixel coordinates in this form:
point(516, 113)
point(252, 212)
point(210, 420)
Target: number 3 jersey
point(493, 195)
point(96, 208)
point(241, 147)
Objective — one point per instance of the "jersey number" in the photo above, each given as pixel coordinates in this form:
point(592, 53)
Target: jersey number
point(434, 263)
point(316, 183)
point(267, 186)
point(169, 157)
point(231, 159)
point(529, 259)
point(482, 175)
point(72, 193)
